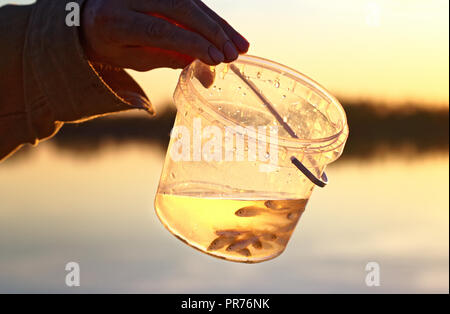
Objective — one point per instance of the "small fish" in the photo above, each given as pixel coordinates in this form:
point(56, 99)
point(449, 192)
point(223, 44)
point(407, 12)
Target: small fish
point(241, 244)
point(294, 215)
point(283, 240)
point(219, 243)
point(269, 236)
point(228, 233)
point(286, 204)
point(288, 227)
point(245, 252)
point(257, 244)
point(249, 211)
point(266, 245)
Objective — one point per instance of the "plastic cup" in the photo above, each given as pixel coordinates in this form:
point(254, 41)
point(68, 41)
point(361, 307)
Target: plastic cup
point(229, 186)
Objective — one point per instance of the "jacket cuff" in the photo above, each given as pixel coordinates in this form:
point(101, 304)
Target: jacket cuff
point(59, 71)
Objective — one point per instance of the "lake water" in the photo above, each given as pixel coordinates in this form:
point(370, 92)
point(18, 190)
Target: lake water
point(97, 209)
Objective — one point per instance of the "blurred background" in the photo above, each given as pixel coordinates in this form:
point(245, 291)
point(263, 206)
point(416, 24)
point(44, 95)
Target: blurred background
point(87, 194)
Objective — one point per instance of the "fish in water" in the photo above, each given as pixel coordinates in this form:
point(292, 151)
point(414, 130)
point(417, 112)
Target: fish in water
point(288, 227)
point(298, 204)
point(294, 215)
point(245, 252)
point(257, 244)
point(241, 244)
point(266, 245)
point(229, 233)
point(219, 243)
point(250, 211)
point(268, 236)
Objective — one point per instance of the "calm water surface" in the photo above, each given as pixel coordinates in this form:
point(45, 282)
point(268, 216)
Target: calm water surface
point(97, 210)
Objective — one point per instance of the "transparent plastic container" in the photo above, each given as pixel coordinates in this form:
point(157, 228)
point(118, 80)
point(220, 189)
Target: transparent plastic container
point(229, 200)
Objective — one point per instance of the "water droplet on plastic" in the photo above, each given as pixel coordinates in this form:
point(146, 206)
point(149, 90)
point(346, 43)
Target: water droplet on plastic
point(258, 75)
point(284, 96)
point(276, 83)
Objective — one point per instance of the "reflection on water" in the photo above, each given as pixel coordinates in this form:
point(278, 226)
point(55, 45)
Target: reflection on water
point(97, 210)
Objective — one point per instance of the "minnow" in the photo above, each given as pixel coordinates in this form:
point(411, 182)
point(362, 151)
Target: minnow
point(219, 243)
point(241, 244)
point(282, 240)
point(268, 236)
point(249, 211)
point(286, 204)
point(266, 245)
point(228, 233)
point(288, 227)
point(294, 215)
point(245, 252)
point(257, 244)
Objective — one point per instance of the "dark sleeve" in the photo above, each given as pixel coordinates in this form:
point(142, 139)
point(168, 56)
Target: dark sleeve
point(45, 79)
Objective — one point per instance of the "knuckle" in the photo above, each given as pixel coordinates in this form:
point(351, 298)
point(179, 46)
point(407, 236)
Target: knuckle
point(178, 5)
point(217, 31)
point(159, 30)
point(103, 16)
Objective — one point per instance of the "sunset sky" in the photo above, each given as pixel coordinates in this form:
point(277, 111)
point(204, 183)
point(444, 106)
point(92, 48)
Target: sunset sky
point(393, 51)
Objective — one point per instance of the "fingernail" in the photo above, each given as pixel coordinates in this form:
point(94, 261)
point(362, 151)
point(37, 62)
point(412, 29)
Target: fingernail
point(230, 51)
point(215, 54)
point(241, 43)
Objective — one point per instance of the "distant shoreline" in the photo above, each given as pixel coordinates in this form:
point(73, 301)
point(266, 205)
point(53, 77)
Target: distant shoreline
point(374, 131)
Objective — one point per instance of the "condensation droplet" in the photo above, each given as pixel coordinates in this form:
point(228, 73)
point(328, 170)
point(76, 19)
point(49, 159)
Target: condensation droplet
point(258, 75)
point(276, 83)
point(284, 96)
point(172, 175)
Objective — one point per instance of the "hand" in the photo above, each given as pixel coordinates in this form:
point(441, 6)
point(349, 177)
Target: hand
point(147, 34)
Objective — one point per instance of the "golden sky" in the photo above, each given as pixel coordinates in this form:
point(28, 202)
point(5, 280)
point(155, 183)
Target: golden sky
point(394, 51)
